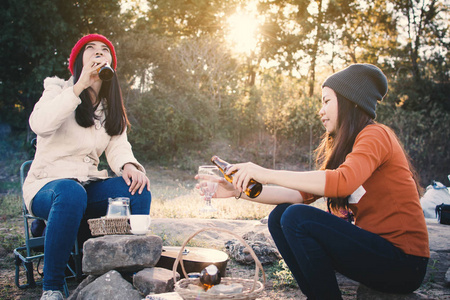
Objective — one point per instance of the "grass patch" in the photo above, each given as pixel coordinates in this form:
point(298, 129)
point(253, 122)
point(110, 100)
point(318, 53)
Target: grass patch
point(9, 185)
point(10, 205)
point(281, 275)
point(11, 236)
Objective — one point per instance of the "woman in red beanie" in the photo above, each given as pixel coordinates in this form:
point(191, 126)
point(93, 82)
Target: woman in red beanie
point(376, 232)
point(76, 121)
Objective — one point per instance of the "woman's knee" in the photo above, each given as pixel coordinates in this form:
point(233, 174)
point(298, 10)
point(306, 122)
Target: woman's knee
point(298, 214)
point(62, 195)
point(70, 195)
point(276, 214)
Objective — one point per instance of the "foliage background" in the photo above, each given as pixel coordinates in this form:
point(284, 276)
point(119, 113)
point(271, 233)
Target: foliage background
point(190, 93)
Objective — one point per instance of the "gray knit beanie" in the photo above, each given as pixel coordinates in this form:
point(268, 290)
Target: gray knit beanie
point(363, 84)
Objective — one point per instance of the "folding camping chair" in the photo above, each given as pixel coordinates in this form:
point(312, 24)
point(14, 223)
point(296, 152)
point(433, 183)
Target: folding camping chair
point(33, 250)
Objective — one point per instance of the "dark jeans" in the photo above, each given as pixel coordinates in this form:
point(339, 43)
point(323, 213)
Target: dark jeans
point(64, 203)
point(315, 244)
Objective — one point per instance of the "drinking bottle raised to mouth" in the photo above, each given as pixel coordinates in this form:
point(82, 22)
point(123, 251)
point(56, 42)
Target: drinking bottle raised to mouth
point(105, 73)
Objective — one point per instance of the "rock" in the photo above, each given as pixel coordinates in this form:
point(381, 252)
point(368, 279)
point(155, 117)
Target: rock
point(173, 229)
point(255, 236)
point(88, 280)
point(110, 286)
point(439, 235)
point(266, 252)
point(447, 277)
point(265, 220)
point(128, 253)
point(365, 293)
point(154, 281)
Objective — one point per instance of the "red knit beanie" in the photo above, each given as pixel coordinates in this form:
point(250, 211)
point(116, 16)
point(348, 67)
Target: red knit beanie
point(86, 39)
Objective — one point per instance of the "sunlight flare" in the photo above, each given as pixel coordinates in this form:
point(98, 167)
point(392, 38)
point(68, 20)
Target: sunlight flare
point(243, 29)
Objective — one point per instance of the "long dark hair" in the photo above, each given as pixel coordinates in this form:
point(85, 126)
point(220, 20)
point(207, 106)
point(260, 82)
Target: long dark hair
point(337, 145)
point(116, 120)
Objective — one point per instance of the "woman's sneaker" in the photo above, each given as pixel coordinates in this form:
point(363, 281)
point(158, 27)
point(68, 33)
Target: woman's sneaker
point(52, 295)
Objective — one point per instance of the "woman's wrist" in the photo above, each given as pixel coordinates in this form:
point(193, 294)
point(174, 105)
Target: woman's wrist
point(129, 165)
point(78, 88)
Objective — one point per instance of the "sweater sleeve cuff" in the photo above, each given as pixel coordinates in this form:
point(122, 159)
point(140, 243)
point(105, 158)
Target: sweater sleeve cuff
point(136, 164)
point(331, 183)
point(308, 198)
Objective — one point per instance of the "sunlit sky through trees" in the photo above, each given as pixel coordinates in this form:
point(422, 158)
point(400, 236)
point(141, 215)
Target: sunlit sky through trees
point(243, 28)
point(243, 33)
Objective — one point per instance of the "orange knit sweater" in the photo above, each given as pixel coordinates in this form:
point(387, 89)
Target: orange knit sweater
point(390, 206)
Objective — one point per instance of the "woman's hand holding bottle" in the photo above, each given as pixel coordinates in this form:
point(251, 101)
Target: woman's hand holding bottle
point(246, 184)
point(239, 179)
point(89, 74)
point(246, 174)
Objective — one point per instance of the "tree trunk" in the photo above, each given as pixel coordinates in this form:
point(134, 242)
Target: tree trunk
point(315, 49)
point(274, 149)
point(310, 146)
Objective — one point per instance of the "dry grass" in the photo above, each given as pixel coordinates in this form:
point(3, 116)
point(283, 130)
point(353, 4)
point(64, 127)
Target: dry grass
point(174, 196)
point(190, 205)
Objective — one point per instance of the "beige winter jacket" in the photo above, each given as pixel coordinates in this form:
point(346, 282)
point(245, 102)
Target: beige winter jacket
point(64, 148)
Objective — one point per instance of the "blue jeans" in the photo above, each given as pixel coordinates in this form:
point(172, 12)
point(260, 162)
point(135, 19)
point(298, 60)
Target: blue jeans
point(315, 244)
point(64, 203)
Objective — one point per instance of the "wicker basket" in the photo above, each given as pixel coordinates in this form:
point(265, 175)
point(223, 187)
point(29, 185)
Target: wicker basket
point(107, 226)
point(252, 287)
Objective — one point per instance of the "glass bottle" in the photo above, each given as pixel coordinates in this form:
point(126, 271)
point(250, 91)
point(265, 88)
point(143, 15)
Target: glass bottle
point(210, 276)
point(106, 73)
point(253, 189)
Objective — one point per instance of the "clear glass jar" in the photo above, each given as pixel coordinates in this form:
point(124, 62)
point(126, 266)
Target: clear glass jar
point(118, 207)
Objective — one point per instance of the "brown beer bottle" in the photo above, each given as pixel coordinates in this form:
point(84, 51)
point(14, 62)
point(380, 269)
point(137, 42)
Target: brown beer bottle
point(253, 189)
point(210, 276)
point(106, 73)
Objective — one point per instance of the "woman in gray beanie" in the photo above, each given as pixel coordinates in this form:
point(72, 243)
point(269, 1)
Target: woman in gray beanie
point(374, 231)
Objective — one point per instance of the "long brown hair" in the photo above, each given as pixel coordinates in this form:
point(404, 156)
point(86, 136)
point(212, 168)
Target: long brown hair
point(116, 120)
